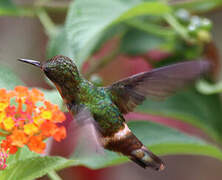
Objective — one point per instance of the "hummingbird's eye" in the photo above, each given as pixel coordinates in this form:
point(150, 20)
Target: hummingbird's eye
point(46, 69)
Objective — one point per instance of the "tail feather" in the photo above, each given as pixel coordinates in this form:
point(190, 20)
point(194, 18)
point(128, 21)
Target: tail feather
point(129, 145)
point(145, 158)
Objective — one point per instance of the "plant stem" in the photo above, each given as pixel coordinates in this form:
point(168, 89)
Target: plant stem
point(30, 11)
point(54, 176)
point(177, 26)
point(46, 21)
point(151, 28)
point(20, 11)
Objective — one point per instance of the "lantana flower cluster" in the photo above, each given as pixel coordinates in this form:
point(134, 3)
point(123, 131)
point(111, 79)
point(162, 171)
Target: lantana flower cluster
point(22, 122)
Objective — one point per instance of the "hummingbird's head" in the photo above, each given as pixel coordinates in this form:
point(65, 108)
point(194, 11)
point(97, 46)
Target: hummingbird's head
point(59, 69)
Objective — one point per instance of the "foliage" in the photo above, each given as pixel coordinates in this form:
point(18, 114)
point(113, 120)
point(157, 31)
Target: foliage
point(140, 27)
point(35, 166)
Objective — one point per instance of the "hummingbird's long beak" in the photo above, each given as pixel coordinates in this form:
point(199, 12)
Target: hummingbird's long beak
point(29, 61)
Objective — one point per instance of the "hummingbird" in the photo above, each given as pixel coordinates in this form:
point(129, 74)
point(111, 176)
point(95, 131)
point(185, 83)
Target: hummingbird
point(104, 107)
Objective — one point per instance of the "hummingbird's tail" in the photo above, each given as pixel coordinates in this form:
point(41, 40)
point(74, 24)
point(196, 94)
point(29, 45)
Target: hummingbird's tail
point(128, 144)
point(145, 158)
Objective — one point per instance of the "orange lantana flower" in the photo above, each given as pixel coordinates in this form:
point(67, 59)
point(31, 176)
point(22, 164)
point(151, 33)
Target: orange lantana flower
point(26, 123)
point(36, 144)
point(18, 138)
point(48, 128)
point(59, 134)
point(7, 145)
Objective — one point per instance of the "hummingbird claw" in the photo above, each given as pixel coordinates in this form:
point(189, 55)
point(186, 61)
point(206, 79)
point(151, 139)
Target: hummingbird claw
point(30, 61)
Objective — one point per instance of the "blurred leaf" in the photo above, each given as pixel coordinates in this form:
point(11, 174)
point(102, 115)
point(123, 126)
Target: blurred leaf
point(8, 8)
point(34, 167)
point(207, 88)
point(117, 30)
point(58, 44)
point(8, 79)
point(144, 8)
point(161, 140)
point(199, 110)
point(21, 154)
point(138, 42)
point(150, 27)
point(87, 20)
point(27, 165)
point(198, 5)
point(53, 96)
point(6, 3)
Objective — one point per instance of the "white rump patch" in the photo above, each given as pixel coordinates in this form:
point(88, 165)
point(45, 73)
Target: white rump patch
point(121, 133)
point(117, 136)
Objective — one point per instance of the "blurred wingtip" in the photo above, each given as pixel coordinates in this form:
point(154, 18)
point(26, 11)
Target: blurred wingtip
point(206, 66)
point(162, 167)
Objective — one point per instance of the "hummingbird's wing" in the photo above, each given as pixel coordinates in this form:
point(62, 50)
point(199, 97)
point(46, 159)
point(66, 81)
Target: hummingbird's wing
point(157, 83)
point(88, 135)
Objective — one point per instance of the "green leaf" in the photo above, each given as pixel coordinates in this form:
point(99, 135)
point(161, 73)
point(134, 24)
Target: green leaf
point(160, 139)
point(53, 96)
point(8, 79)
point(192, 107)
point(58, 44)
point(137, 42)
point(150, 27)
point(6, 3)
point(21, 154)
point(117, 30)
point(144, 8)
point(87, 20)
point(199, 5)
point(6, 7)
point(34, 167)
point(27, 165)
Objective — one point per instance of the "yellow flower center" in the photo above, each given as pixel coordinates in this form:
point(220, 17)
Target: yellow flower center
point(2, 116)
point(46, 115)
point(30, 129)
point(8, 123)
point(3, 105)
